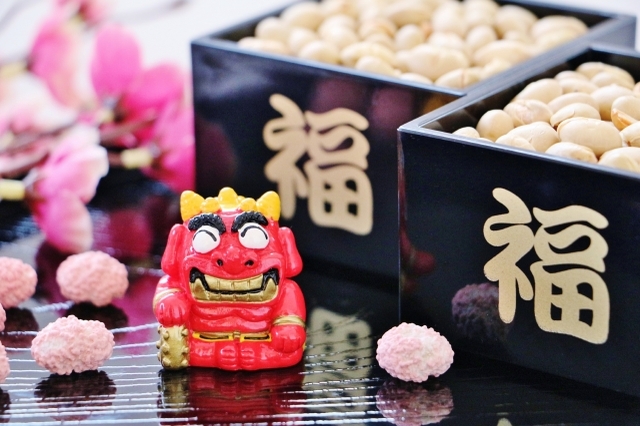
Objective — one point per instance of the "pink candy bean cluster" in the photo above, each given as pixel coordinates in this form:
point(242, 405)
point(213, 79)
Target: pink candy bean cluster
point(68, 344)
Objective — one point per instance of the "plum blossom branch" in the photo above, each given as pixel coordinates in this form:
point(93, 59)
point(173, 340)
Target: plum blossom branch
point(57, 142)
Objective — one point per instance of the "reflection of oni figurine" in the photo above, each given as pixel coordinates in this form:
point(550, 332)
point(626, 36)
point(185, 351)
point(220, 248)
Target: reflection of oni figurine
point(227, 300)
point(223, 397)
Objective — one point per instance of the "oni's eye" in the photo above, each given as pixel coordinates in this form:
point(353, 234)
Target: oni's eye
point(253, 236)
point(206, 239)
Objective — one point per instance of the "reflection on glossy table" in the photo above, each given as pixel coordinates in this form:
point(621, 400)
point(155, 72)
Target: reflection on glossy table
point(338, 382)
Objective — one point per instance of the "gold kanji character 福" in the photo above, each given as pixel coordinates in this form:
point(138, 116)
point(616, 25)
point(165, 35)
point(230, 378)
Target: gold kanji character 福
point(338, 190)
point(518, 239)
point(573, 300)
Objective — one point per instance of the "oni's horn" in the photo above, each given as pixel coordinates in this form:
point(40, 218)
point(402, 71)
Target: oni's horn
point(192, 204)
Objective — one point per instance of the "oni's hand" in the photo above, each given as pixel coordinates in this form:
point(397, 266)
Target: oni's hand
point(172, 309)
point(287, 338)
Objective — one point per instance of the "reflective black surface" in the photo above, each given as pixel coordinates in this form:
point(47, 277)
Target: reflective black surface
point(338, 382)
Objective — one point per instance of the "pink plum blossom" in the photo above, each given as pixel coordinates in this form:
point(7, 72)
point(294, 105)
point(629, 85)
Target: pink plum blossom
point(26, 105)
point(63, 184)
point(139, 96)
point(29, 117)
point(154, 89)
point(76, 164)
point(148, 107)
point(146, 98)
point(65, 222)
point(54, 57)
point(16, 163)
point(175, 163)
point(116, 62)
point(51, 130)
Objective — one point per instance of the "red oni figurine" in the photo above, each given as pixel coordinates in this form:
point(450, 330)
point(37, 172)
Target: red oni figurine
point(227, 300)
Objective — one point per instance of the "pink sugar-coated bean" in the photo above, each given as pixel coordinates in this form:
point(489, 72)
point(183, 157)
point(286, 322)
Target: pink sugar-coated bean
point(413, 353)
point(71, 345)
point(17, 281)
point(92, 276)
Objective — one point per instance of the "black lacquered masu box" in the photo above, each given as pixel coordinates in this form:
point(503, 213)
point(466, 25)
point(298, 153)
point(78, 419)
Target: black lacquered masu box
point(536, 255)
point(325, 137)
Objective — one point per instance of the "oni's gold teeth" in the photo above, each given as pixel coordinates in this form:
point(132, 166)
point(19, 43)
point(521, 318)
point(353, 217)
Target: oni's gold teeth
point(173, 348)
point(259, 288)
point(192, 204)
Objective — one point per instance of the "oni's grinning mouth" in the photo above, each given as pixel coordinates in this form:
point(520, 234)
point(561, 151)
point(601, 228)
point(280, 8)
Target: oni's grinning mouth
point(258, 288)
